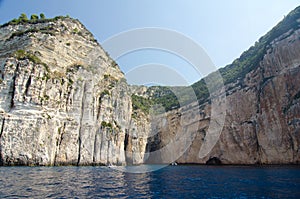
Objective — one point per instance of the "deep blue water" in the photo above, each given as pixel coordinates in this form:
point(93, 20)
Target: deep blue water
point(169, 182)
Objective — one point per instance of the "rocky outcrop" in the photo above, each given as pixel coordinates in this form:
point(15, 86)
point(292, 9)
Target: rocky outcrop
point(62, 99)
point(262, 115)
point(262, 118)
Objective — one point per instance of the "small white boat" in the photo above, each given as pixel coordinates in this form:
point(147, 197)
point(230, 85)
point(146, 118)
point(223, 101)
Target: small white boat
point(111, 165)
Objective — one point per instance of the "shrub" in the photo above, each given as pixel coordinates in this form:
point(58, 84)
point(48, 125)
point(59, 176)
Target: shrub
point(141, 103)
point(106, 124)
point(34, 17)
point(42, 16)
point(23, 18)
point(22, 55)
point(45, 30)
point(75, 30)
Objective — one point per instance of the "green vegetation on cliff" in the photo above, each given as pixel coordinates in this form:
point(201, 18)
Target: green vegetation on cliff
point(46, 30)
point(251, 58)
point(174, 97)
point(141, 103)
point(22, 54)
point(248, 61)
point(23, 19)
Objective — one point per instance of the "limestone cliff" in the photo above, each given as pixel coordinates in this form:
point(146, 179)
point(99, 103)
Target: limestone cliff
point(262, 124)
point(63, 100)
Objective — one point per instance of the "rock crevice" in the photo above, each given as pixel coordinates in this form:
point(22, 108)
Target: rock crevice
point(64, 101)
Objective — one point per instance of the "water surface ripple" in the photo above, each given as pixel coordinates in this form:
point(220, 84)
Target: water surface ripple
point(169, 182)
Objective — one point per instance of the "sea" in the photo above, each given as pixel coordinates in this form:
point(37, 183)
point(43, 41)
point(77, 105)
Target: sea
point(182, 181)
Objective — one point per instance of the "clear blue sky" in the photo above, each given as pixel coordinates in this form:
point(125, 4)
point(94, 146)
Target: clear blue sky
point(224, 28)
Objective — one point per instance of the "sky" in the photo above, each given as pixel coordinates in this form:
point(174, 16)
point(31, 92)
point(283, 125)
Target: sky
point(223, 28)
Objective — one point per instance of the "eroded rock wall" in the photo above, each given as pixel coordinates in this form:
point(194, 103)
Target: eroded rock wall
point(63, 100)
point(262, 115)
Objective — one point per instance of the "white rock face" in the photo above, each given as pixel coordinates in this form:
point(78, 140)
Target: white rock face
point(62, 99)
point(262, 124)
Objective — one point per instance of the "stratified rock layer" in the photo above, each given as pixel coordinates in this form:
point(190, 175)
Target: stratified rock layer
point(62, 99)
point(262, 123)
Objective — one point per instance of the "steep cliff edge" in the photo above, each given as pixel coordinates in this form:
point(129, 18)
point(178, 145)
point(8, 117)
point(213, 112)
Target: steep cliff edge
point(262, 106)
point(262, 117)
point(63, 100)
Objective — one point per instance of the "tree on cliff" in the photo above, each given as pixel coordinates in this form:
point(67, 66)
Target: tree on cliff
point(23, 17)
point(34, 17)
point(42, 16)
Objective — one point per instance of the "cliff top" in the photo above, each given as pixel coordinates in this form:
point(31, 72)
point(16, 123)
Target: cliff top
point(34, 19)
point(59, 43)
point(237, 70)
point(66, 27)
point(51, 26)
